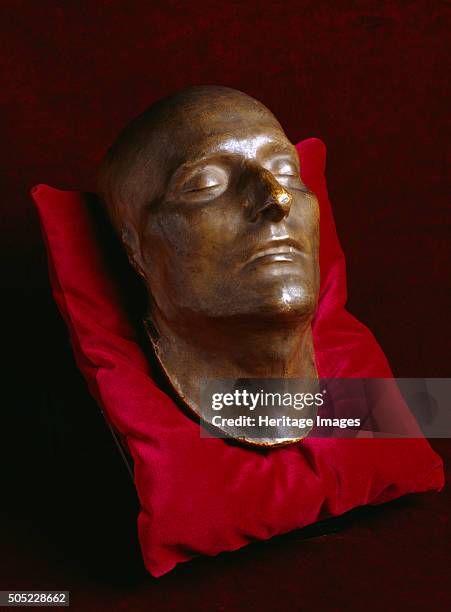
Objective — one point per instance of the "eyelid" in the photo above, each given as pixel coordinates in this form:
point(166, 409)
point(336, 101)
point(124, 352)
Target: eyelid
point(293, 172)
point(206, 188)
point(204, 178)
point(283, 166)
point(187, 187)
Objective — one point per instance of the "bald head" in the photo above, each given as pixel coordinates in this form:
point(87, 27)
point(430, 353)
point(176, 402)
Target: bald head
point(162, 138)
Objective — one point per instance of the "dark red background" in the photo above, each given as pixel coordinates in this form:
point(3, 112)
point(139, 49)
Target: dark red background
point(369, 78)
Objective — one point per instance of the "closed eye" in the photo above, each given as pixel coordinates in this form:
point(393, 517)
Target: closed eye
point(209, 178)
point(200, 188)
point(283, 167)
point(292, 181)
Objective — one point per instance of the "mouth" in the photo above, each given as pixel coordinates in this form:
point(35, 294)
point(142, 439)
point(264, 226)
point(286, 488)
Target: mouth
point(277, 251)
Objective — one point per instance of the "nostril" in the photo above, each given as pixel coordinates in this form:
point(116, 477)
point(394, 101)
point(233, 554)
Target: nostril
point(275, 209)
point(278, 212)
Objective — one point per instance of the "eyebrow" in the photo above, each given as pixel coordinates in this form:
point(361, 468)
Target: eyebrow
point(278, 148)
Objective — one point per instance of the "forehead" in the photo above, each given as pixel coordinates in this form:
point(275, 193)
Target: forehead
point(244, 132)
point(250, 143)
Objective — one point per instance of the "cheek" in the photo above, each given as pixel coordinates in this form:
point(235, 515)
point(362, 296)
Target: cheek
point(182, 245)
point(314, 222)
point(315, 237)
point(307, 219)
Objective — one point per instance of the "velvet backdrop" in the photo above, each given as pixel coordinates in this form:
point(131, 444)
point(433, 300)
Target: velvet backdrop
point(369, 78)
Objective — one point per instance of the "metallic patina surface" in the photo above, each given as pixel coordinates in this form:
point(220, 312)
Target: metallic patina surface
point(204, 190)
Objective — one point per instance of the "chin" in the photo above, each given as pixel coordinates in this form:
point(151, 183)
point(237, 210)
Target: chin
point(291, 299)
point(297, 309)
point(283, 288)
point(288, 302)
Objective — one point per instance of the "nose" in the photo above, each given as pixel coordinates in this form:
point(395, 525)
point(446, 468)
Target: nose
point(270, 199)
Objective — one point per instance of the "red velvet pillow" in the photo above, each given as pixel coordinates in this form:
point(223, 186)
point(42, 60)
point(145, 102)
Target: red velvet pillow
point(205, 495)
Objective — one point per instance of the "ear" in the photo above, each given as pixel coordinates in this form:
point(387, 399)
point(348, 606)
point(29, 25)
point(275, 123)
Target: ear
point(129, 239)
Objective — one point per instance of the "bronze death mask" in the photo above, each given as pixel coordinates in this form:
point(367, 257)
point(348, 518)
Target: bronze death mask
point(205, 193)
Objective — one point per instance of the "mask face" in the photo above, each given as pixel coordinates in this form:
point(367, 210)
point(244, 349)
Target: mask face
point(226, 237)
point(233, 231)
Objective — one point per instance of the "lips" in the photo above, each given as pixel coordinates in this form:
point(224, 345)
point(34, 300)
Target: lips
point(286, 249)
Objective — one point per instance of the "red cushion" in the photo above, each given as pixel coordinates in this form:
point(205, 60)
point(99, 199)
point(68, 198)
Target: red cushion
point(205, 495)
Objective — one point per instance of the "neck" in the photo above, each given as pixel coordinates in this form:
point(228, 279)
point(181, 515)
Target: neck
point(232, 349)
